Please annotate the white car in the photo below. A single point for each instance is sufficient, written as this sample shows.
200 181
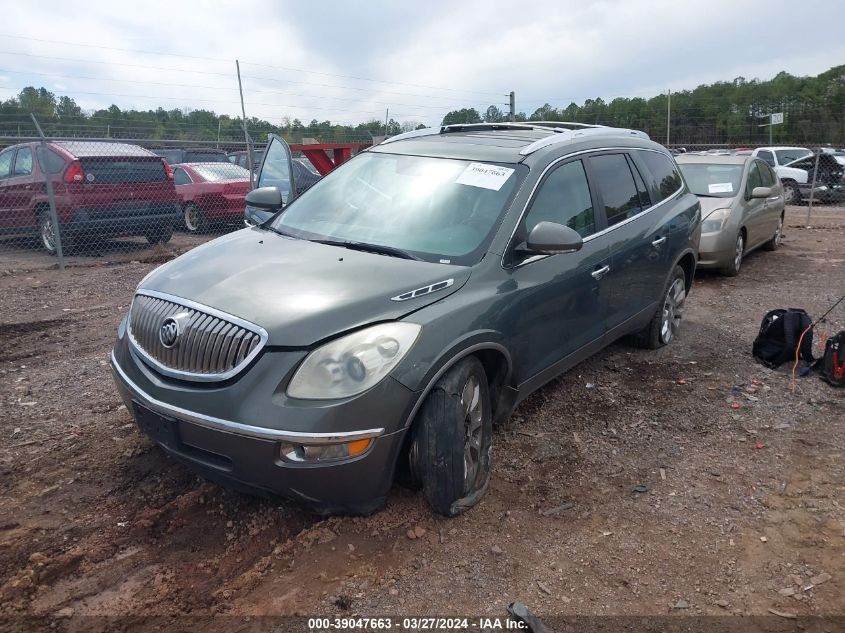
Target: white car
791 177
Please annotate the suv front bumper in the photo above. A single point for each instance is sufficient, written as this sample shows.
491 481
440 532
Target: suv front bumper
243 451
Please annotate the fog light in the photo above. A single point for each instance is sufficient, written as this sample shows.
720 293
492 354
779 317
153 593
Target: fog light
303 453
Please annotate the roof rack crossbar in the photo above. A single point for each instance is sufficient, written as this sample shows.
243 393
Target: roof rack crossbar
465 127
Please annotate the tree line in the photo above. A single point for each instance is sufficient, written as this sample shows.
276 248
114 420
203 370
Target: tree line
725 112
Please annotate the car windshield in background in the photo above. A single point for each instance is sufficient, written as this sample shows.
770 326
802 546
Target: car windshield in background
436 209
788 155
205 157
222 171
712 180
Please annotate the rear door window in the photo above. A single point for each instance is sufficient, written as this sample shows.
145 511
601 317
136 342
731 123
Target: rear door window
766 156
23 162
665 173
614 180
6 163
645 198
564 198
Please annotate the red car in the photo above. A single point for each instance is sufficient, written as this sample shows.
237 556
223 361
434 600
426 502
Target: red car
102 189
211 193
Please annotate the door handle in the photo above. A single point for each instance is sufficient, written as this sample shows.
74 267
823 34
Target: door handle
600 272
659 241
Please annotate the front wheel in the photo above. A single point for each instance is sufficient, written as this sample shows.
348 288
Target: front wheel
791 193
666 322
452 439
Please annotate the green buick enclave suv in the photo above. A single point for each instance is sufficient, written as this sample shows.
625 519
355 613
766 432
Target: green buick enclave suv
402 305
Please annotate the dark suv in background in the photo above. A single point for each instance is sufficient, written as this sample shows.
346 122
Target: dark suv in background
177 155
397 308
102 190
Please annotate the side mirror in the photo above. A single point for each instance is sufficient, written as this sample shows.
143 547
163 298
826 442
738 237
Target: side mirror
266 198
550 238
761 192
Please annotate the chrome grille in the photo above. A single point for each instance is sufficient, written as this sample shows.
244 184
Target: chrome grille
210 345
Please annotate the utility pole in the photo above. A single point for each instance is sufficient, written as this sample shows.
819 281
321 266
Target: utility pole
386 114
219 121
246 134
668 114
513 106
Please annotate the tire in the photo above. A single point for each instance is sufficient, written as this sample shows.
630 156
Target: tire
666 321
774 243
159 235
47 235
192 218
452 439
791 193
732 269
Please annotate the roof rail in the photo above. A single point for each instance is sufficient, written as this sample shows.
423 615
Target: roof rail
464 127
566 125
562 136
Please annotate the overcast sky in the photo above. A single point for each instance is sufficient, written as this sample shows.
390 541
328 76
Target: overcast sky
349 62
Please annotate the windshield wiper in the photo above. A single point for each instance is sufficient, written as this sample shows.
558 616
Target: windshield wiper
370 248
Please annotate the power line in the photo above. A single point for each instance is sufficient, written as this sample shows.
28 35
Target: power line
218 59
219 74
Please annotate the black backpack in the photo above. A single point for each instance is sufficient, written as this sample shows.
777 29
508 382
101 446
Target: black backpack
832 364
778 338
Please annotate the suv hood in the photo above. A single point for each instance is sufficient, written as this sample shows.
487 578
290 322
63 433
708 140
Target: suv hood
300 292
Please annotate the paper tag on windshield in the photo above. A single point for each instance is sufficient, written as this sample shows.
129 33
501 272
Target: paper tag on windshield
484 175
720 187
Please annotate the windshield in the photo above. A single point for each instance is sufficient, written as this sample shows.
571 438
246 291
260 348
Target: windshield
438 210
788 155
713 180
222 171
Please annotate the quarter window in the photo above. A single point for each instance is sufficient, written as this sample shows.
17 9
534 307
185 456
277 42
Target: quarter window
180 177
614 179
665 173
564 198
23 162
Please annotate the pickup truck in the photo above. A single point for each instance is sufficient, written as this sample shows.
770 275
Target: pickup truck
778 159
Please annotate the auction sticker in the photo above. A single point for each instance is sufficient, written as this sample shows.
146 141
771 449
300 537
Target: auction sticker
720 187
484 175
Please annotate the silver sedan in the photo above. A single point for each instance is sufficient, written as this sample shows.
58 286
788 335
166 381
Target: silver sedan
742 207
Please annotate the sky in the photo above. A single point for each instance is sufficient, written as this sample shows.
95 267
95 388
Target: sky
350 62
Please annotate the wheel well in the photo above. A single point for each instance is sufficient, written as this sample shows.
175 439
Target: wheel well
687 262
41 206
497 369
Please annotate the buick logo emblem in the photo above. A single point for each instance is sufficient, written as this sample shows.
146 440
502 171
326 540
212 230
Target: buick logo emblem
170 330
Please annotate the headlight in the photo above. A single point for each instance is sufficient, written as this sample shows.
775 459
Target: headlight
714 222
354 363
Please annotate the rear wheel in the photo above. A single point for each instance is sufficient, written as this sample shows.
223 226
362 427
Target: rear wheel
452 439
193 217
159 235
774 243
666 322
732 269
48 236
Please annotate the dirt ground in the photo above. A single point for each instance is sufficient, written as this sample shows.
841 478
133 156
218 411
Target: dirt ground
687 481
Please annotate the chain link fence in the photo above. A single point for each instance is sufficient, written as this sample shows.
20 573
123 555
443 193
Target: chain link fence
79 197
